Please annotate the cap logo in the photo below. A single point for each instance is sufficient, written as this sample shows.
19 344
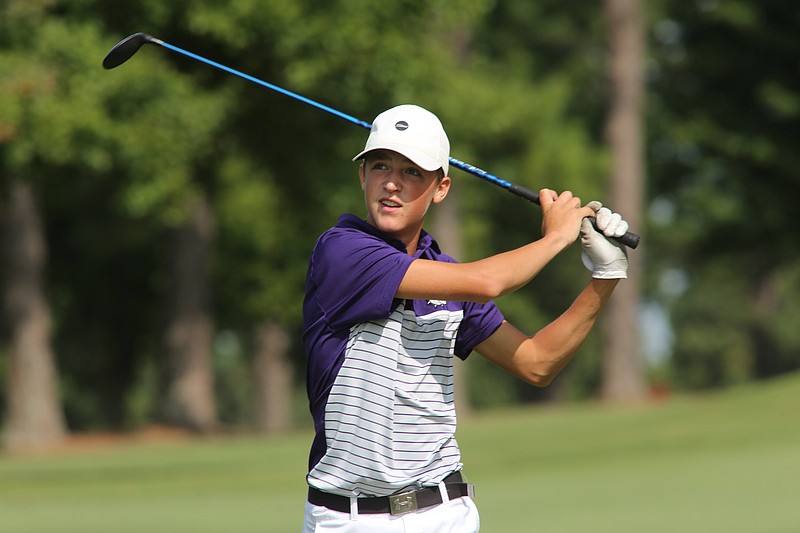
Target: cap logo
401 126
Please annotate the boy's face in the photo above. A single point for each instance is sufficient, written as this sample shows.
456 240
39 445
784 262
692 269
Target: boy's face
398 193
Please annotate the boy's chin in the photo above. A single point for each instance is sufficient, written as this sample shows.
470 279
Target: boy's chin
391 227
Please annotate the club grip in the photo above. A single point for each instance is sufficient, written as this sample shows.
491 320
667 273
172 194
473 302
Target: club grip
629 239
522 192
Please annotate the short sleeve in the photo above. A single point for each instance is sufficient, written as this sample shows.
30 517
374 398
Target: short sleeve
479 323
354 277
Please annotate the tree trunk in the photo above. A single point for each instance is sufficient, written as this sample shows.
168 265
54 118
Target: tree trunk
34 418
273 376
447 230
189 400
623 378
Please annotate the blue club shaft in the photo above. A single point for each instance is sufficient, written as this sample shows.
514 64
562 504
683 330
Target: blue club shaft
466 167
263 83
629 239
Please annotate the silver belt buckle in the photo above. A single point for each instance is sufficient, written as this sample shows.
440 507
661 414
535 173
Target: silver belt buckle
403 503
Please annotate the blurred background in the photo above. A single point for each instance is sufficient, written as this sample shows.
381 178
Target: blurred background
157 218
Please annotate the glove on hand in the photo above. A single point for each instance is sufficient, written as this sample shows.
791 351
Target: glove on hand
606 259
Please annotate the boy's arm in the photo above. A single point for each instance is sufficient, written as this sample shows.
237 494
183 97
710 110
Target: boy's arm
479 281
484 280
538 359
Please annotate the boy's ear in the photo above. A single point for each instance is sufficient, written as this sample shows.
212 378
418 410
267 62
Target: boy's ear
441 190
361 175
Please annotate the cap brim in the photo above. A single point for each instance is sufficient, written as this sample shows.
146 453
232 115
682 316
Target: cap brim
418 157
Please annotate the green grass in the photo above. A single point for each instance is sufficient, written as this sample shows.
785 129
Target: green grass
728 462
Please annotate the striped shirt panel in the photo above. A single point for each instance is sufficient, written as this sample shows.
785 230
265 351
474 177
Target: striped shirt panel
390 418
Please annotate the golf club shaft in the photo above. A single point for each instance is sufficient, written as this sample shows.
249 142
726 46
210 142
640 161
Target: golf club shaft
126 48
268 85
521 191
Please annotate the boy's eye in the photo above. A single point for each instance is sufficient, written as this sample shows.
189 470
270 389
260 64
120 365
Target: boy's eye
413 172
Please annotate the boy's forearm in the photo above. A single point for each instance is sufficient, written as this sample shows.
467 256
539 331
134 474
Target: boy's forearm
560 340
515 268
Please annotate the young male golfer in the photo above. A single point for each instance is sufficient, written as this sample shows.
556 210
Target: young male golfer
385 312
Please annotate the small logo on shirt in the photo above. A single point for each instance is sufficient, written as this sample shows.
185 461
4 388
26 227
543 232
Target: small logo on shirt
437 303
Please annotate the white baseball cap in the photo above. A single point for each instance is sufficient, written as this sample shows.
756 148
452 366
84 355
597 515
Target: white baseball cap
413 132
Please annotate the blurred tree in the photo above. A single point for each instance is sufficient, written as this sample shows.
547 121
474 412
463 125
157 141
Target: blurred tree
110 176
544 130
258 278
189 390
274 198
274 377
117 161
623 375
34 418
725 111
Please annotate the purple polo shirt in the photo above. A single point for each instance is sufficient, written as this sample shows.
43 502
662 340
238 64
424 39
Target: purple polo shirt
352 278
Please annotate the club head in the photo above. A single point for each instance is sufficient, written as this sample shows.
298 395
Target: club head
125 49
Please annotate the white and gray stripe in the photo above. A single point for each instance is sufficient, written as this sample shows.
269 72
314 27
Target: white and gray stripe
390 418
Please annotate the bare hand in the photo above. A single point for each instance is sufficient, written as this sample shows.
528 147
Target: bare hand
562 215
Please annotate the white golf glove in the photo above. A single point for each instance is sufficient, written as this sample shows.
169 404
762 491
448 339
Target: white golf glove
606 259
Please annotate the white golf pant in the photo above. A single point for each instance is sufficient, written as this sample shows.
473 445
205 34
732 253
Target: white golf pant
455 516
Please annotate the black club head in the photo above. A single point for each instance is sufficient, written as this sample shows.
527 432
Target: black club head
125 49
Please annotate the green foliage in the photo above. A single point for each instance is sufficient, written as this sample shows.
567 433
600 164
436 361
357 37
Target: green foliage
130 148
713 346
723 159
68 114
233 379
114 157
736 335
253 247
489 386
783 311
117 156
3 377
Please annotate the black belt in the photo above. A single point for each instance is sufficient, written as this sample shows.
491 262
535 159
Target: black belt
396 503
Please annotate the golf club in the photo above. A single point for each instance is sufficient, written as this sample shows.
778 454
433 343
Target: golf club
126 48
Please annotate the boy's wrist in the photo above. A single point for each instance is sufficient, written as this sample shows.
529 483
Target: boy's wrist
558 241
603 287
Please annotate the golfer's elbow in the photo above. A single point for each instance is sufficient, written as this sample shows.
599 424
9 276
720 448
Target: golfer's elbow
540 380
541 374
488 289
487 284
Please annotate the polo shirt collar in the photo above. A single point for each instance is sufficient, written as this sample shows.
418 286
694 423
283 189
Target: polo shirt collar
426 240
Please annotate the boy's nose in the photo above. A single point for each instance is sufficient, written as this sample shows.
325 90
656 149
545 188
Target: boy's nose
392 183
